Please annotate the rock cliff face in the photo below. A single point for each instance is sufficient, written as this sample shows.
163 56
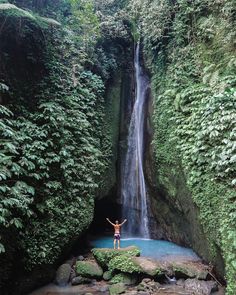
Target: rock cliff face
119 98
42 72
174 215
173 208
190 117
192 173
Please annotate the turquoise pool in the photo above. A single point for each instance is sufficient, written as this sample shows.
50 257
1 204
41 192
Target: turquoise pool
158 249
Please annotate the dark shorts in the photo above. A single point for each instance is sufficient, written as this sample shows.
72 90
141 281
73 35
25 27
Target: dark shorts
117 237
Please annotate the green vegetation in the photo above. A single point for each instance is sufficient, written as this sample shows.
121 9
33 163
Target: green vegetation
103 256
118 288
124 263
55 145
126 279
190 47
107 275
88 269
61 69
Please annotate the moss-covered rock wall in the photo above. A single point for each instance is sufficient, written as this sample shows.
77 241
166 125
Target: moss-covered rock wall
190 48
59 133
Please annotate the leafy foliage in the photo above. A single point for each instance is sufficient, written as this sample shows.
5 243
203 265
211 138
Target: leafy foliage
124 263
55 140
190 47
103 256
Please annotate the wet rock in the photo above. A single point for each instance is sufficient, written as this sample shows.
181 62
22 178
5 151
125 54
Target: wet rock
191 269
72 273
149 286
125 264
104 255
149 266
174 266
127 279
117 289
63 274
180 282
80 280
69 261
103 289
80 258
197 287
89 269
168 289
146 280
107 275
131 292
94 282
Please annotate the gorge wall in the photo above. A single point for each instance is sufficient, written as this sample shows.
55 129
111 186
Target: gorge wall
59 128
190 50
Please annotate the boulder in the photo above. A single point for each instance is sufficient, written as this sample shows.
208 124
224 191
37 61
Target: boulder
94 282
88 269
104 255
180 282
199 287
80 280
63 274
150 267
149 286
177 267
80 258
103 288
117 289
127 279
72 273
124 263
191 269
107 275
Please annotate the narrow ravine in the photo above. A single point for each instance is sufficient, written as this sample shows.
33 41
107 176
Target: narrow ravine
134 192
122 111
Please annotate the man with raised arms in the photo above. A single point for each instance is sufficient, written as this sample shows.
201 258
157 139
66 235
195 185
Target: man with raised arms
117 227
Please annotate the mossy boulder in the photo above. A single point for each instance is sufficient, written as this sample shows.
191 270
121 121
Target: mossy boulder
191 269
117 289
80 280
63 274
180 267
104 255
148 286
151 267
107 275
124 263
127 279
89 269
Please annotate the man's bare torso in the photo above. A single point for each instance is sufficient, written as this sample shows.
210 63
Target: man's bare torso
117 228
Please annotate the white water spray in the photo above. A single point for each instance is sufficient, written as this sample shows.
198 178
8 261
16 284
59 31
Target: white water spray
134 194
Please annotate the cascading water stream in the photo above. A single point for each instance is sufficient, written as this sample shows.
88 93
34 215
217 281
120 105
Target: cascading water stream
134 194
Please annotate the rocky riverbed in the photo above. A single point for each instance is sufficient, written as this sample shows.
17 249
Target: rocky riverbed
107 271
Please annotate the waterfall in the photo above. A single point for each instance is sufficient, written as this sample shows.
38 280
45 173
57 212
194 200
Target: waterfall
133 190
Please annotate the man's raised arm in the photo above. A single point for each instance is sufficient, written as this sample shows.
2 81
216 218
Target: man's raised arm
110 221
123 222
